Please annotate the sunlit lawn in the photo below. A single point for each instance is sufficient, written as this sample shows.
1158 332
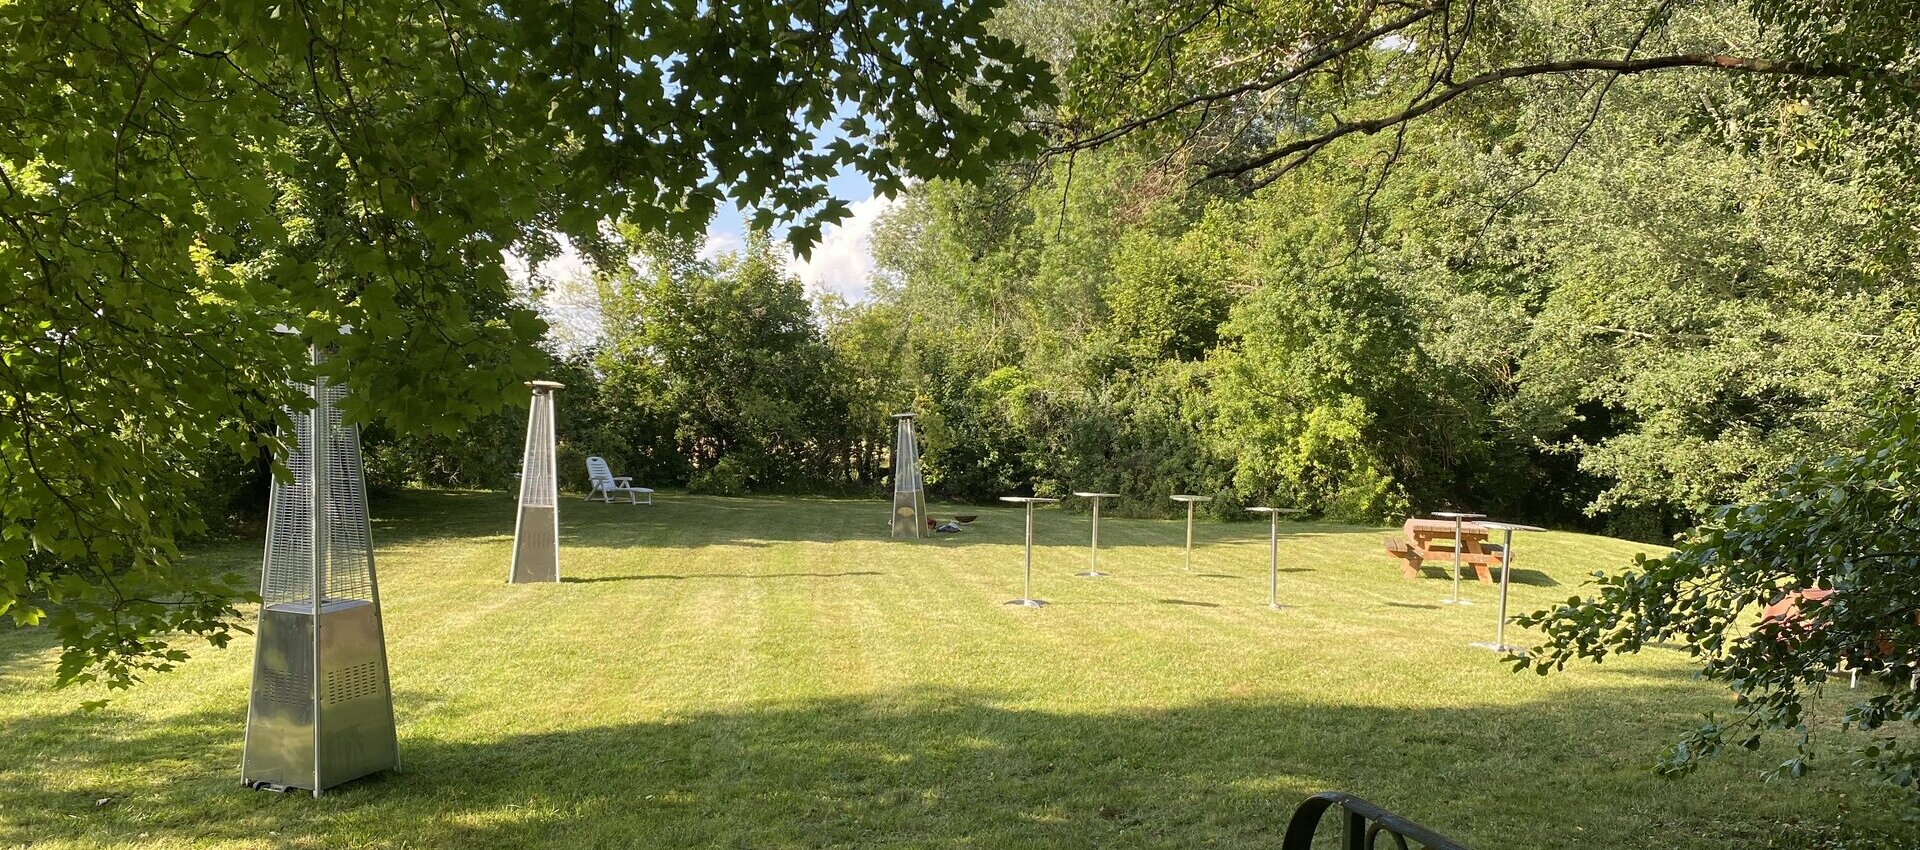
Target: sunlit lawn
774 673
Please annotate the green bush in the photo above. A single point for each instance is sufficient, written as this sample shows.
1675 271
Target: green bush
726 478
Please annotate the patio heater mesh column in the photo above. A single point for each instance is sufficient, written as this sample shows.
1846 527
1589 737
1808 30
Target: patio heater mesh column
536 536
321 710
909 497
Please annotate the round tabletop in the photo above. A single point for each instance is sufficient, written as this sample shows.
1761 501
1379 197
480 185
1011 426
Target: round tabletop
1096 495
1458 515
1267 510
1027 499
1510 526
1185 498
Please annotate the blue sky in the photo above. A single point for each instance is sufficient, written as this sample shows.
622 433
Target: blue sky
844 257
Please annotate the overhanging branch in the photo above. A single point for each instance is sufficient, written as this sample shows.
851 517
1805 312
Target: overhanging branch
1295 153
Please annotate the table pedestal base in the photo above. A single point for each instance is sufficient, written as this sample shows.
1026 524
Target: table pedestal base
1501 647
1275 606
1456 602
1092 574
1027 603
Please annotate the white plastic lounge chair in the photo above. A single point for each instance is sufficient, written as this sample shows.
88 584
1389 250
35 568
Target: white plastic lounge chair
605 484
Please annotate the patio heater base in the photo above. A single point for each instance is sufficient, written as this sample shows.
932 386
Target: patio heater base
351 727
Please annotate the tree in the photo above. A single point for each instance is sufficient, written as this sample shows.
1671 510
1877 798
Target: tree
726 354
1849 525
1254 91
180 177
1614 317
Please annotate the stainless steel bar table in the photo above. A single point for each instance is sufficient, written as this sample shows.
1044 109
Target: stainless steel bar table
1093 550
1191 501
1506 573
1273 553
1458 518
1026 584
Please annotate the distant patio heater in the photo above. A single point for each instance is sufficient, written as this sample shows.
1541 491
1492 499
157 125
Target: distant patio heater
321 710
536 535
909 497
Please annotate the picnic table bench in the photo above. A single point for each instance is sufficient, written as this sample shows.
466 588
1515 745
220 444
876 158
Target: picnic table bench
1432 540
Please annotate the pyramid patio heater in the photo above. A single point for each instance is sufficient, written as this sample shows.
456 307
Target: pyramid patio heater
909 497
536 536
321 710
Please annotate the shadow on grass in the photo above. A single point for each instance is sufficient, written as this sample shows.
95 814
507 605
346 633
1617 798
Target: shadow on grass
670 577
926 767
1533 578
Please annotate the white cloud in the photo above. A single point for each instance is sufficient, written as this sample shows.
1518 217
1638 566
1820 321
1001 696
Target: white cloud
562 289
720 243
843 260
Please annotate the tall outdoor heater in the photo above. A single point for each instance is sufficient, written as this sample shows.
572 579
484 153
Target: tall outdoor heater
536 535
909 497
321 710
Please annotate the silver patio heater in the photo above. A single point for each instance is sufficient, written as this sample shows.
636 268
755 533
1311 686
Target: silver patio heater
909 497
536 535
321 712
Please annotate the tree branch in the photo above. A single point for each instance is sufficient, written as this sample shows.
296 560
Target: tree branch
1310 64
1297 152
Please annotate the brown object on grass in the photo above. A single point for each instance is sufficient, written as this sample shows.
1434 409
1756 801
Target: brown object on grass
1432 540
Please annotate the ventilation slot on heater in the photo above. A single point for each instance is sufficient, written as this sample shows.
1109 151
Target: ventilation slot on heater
360 680
289 688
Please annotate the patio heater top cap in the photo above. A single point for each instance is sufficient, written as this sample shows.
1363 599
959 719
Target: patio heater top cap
903 416
546 385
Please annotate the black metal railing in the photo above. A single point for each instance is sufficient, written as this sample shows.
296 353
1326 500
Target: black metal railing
1363 824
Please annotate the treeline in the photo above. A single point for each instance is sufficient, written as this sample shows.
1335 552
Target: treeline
1612 314
1523 305
713 374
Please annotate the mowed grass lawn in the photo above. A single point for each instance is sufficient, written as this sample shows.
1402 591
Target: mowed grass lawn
775 673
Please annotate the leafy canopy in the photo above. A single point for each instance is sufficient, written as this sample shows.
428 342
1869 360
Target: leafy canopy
1849 525
179 177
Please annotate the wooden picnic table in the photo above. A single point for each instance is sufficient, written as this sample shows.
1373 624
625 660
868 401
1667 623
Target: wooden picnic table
1432 540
